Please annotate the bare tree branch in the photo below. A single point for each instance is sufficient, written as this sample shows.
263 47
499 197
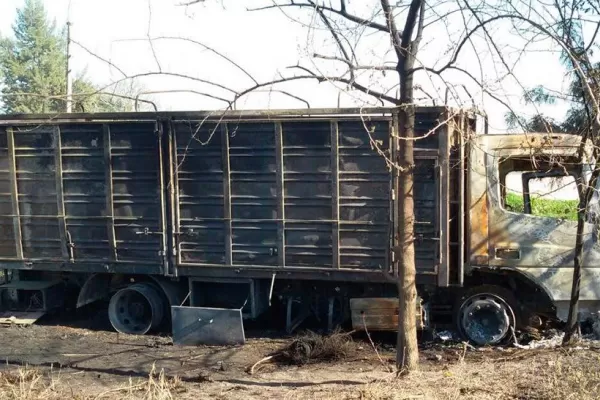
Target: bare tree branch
204 46
355 67
148 36
87 50
189 3
342 12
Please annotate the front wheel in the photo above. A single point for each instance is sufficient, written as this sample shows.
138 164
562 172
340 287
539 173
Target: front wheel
486 315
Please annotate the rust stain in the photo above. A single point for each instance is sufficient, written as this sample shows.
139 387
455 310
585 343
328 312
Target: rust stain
380 314
479 226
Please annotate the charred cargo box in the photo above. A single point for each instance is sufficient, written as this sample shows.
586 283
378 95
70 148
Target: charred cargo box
191 194
218 208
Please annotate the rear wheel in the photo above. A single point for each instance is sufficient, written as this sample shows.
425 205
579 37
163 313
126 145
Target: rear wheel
136 309
487 315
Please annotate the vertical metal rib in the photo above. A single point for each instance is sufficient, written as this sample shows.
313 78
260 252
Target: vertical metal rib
443 224
461 197
60 198
14 193
226 194
108 193
280 195
335 194
175 184
169 161
162 199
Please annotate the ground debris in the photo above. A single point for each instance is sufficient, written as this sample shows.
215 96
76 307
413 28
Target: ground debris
312 347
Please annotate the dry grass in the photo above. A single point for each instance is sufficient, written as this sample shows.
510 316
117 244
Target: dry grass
30 384
510 375
552 377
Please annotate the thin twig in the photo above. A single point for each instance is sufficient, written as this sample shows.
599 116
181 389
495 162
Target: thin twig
385 365
259 362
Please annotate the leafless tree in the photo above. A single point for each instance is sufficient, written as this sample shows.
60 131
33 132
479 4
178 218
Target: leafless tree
389 75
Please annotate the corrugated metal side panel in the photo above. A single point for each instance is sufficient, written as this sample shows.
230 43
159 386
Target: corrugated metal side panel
36 170
308 192
329 205
426 190
110 176
84 184
137 191
253 167
199 174
364 188
63 181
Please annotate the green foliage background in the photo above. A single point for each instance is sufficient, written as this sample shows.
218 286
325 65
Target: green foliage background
33 69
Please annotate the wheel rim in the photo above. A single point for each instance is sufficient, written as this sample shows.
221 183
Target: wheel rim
485 319
136 309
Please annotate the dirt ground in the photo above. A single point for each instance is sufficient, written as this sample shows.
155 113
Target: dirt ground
60 359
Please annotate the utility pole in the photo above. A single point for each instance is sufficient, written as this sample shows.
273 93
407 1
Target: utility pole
69 77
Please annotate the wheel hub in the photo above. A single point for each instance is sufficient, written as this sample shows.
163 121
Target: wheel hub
485 319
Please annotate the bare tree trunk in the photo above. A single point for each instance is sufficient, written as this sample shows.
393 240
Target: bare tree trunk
572 321
407 351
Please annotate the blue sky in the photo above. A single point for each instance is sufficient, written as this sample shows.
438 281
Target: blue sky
266 44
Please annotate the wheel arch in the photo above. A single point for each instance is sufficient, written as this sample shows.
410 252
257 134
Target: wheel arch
532 296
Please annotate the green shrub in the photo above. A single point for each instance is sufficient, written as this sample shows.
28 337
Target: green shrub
564 209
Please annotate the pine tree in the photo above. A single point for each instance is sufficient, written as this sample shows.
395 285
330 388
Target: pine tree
33 68
33 64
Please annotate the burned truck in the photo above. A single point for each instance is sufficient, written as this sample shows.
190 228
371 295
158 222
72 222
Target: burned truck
202 220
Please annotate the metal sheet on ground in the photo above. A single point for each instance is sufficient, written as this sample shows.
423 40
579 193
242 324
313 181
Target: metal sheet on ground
20 317
194 326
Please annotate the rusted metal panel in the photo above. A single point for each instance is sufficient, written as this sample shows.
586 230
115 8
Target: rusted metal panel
478 204
380 314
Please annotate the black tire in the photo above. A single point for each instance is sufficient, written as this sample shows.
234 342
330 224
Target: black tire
137 309
499 315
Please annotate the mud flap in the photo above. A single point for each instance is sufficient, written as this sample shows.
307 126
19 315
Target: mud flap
194 326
